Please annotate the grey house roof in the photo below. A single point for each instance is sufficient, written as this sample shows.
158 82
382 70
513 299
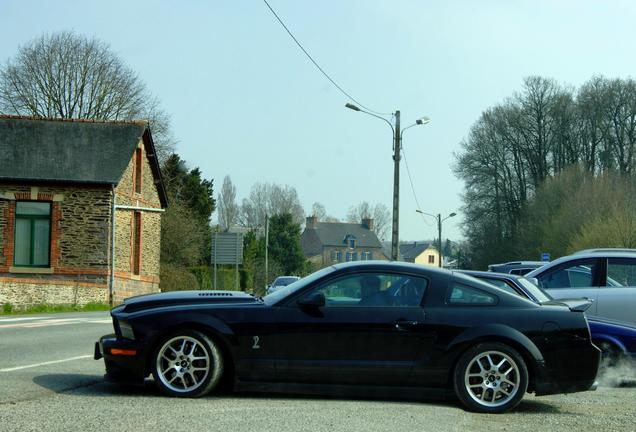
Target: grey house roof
72 151
410 251
334 234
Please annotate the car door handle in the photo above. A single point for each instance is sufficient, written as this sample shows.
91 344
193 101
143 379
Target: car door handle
406 324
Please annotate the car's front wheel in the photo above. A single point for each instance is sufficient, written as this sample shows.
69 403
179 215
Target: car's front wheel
187 364
491 378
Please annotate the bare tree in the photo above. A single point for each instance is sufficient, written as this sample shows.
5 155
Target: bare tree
381 220
66 75
358 212
227 205
268 199
380 214
318 210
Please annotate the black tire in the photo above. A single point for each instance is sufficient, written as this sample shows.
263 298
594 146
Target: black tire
490 377
187 363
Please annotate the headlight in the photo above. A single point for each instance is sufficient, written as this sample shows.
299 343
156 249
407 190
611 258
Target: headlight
126 330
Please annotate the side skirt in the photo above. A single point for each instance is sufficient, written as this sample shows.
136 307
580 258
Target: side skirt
346 391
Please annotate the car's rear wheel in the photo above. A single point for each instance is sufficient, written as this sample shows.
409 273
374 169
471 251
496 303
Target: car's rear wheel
187 364
491 377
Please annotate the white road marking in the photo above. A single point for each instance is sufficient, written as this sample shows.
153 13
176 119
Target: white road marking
2 320
44 363
47 322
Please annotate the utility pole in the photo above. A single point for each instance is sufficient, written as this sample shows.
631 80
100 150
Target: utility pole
395 231
397 147
266 250
439 236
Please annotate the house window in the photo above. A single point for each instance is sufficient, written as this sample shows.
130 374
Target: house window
32 238
349 256
431 259
366 256
350 241
138 165
336 256
136 250
354 256
339 256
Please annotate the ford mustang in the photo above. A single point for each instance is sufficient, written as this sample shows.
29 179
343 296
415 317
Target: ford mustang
371 327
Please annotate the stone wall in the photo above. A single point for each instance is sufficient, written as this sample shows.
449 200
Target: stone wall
127 284
25 292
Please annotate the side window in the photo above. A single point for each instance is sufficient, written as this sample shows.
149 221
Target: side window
621 272
580 274
463 295
375 290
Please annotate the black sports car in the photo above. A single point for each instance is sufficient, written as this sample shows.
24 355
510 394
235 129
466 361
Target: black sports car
367 325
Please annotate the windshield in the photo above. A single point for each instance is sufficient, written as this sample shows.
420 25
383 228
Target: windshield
280 294
284 281
534 290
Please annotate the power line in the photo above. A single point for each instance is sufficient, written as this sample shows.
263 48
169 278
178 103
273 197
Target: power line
408 171
318 66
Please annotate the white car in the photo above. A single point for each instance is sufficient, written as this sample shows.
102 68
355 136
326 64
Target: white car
280 282
606 276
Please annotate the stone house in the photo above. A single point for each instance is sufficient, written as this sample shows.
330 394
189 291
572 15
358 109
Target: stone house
420 253
326 243
80 211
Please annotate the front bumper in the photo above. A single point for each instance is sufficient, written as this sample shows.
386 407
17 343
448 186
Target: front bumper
125 359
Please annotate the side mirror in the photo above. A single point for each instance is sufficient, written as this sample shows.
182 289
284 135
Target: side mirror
313 300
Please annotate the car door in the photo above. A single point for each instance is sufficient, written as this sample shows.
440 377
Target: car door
579 278
617 296
365 334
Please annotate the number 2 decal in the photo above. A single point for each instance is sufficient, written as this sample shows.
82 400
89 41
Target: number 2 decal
256 345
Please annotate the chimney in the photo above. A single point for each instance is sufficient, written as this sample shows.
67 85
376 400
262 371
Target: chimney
310 222
367 223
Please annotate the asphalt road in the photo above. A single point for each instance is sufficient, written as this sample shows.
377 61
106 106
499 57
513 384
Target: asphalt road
49 382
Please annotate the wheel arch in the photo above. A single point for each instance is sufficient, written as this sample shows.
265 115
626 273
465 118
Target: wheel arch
501 334
222 339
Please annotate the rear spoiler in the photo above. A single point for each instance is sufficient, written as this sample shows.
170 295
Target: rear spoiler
575 305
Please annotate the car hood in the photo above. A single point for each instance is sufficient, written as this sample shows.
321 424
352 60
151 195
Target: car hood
174 298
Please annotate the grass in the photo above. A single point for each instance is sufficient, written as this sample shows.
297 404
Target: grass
9 309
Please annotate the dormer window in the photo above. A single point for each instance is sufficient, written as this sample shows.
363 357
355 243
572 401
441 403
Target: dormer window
350 241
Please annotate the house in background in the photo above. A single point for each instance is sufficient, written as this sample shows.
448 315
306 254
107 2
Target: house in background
326 243
64 186
420 253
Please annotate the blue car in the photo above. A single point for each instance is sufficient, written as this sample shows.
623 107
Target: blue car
616 339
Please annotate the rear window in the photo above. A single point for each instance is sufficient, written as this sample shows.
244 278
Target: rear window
464 295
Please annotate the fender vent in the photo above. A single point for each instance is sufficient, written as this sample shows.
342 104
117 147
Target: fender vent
215 294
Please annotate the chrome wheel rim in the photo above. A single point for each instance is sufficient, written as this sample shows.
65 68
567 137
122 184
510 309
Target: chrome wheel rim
492 378
183 364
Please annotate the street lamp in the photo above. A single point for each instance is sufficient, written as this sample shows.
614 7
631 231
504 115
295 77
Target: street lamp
439 219
397 145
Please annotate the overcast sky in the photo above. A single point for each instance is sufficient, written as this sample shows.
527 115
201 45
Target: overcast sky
245 101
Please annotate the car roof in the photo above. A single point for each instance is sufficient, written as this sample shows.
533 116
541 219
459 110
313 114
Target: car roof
592 253
605 250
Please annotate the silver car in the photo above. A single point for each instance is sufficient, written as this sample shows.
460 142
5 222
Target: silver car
604 275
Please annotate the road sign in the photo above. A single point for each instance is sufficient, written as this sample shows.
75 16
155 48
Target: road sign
545 256
227 248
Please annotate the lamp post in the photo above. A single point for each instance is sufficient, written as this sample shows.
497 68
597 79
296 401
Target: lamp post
439 219
397 145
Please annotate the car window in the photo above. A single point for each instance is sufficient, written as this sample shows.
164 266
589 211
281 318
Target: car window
463 295
621 272
374 290
577 275
501 284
